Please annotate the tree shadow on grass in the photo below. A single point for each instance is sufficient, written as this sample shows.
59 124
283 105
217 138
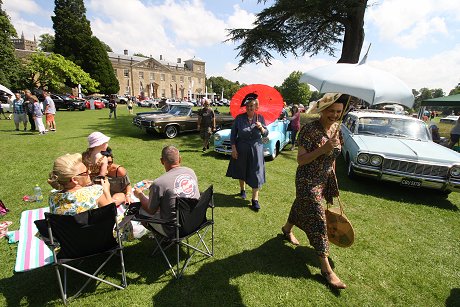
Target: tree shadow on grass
391 191
39 287
212 284
454 298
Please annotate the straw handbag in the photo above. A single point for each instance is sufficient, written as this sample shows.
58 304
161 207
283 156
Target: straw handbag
339 229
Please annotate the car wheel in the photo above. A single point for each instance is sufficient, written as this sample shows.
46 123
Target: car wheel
275 152
350 172
171 131
71 108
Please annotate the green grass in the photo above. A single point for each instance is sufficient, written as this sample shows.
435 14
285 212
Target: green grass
406 251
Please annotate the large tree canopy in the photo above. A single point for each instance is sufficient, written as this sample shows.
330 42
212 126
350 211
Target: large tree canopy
46 42
74 40
219 84
54 72
9 64
303 26
293 91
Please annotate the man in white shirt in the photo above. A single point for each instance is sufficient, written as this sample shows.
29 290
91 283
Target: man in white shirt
50 111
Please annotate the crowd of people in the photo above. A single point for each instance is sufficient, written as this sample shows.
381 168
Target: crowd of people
30 110
92 179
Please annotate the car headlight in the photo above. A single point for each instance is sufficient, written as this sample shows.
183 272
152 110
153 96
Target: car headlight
363 158
376 160
265 140
217 137
455 171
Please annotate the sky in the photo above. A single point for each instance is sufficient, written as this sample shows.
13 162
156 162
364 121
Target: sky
415 40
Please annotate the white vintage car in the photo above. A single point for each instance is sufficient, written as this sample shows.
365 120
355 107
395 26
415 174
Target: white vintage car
398 148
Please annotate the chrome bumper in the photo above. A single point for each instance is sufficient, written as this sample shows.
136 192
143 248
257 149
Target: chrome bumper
427 182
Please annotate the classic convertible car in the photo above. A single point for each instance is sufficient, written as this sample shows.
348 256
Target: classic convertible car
278 137
179 118
398 148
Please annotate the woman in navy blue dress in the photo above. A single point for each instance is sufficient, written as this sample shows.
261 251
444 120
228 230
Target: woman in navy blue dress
247 162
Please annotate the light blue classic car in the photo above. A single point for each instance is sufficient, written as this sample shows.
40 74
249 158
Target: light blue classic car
398 148
278 137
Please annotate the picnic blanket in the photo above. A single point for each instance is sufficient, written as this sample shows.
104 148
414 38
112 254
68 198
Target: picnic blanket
32 252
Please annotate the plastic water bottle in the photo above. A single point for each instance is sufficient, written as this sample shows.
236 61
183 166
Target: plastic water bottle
38 193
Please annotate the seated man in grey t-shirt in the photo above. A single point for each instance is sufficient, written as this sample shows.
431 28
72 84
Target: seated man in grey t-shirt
177 181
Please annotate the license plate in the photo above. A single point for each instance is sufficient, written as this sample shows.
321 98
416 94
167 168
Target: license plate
413 183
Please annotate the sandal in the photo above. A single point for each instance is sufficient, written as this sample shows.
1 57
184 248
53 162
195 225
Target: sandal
289 236
336 285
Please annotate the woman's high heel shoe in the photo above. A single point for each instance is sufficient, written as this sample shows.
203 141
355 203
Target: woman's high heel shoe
336 285
288 235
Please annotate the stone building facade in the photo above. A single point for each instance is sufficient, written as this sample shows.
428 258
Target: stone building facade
158 77
24 44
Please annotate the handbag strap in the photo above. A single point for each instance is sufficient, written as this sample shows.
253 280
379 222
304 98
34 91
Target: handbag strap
328 205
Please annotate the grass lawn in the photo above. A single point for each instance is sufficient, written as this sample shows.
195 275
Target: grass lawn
406 251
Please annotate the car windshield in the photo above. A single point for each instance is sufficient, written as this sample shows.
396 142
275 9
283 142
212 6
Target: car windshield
393 127
179 111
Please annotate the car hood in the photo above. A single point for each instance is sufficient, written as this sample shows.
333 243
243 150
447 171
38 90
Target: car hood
407 149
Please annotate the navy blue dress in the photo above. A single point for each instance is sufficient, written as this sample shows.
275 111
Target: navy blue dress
250 165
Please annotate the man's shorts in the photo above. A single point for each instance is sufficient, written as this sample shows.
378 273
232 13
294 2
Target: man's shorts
454 138
49 117
20 118
205 133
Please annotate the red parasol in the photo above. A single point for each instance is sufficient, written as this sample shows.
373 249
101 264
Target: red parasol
270 101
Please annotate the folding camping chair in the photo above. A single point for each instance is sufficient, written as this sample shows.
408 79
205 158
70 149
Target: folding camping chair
191 220
82 236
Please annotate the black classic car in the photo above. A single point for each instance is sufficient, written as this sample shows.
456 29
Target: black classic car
67 103
179 118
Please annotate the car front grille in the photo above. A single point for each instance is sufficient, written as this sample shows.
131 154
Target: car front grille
137 121
145 123
419 169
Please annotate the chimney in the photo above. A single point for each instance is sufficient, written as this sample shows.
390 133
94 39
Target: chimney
161 57
179 60
125 52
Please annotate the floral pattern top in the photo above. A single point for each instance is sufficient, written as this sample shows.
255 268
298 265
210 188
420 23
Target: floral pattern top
319 174
71 203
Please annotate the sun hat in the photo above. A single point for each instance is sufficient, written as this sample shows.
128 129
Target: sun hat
321 104
97 138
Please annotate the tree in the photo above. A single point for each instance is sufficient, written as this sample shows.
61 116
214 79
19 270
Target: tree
107 47
293 91
74 40
140 54
425 93
46 42
455 91
220 83
9 64
303 26
54 72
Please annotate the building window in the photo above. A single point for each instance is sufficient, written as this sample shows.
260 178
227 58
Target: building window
173 78
163 92
152 76
162 77
198 68
141 75
126 73
189 79
199 80
181 79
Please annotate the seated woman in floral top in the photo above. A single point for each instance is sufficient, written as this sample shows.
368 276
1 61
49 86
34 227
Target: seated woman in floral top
73 194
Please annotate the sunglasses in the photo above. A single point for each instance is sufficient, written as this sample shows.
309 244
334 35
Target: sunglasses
85 173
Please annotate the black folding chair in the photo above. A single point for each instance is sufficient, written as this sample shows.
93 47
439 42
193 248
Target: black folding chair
82 236
191 220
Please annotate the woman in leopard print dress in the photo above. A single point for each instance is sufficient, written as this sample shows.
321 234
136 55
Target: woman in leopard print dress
319 145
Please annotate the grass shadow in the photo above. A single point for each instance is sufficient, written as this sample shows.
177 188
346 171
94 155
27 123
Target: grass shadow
232 200
214 280
454 298
391 191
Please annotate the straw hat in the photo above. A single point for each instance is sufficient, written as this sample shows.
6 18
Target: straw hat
97 138
321 104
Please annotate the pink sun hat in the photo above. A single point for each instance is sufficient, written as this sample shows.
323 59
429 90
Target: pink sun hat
97 138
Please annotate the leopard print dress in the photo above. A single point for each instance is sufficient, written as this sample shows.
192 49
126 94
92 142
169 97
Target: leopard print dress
315 182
